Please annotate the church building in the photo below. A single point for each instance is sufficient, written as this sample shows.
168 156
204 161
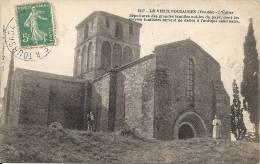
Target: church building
173 93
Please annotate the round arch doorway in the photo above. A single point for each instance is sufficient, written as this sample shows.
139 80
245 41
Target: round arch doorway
186 130
189 125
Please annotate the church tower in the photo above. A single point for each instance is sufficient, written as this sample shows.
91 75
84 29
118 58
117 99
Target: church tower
105 41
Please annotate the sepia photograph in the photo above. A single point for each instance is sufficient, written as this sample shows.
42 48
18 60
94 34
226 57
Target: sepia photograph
129 82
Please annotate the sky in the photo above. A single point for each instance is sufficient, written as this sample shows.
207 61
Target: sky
224 42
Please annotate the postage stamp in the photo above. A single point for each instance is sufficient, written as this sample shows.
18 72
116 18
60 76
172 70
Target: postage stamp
31 36
35 25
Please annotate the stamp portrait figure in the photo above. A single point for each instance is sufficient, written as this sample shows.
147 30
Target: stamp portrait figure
32 22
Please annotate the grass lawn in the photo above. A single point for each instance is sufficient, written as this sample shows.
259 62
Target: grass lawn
38 144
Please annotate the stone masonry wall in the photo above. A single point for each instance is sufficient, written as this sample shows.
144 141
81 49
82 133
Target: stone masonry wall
162 100
100 101
109 31
222 107
174 59
13 112
45 98
92 24
134 100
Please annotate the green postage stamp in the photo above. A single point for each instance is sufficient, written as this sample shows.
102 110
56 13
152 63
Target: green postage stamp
35 25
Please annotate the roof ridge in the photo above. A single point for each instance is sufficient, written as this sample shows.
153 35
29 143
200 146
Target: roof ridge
181 42
37 73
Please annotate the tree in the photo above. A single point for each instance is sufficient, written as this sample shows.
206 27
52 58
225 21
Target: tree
237 123
249 84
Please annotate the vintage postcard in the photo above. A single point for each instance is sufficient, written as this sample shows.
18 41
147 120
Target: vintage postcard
156 82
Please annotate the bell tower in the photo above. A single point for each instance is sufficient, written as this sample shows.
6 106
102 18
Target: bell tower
105 41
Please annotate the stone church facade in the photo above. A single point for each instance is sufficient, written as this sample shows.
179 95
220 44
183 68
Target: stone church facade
172 93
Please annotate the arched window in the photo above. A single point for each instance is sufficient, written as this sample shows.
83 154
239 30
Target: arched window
119 30
79 64
130 28
106 56
84 59
107 22
92 23
127 55
85 32
117 55
191 80
90 57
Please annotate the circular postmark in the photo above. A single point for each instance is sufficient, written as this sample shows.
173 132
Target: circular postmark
27 53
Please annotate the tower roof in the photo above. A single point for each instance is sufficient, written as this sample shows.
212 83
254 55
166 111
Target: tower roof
95 13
